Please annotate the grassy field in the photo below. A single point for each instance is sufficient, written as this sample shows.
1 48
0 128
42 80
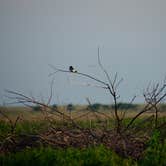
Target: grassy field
78 113
34 122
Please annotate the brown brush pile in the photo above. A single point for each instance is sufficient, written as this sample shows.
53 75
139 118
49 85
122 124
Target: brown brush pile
123 144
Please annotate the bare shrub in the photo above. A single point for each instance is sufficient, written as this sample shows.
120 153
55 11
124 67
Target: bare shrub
126 139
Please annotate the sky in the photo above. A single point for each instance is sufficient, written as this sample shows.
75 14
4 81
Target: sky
131 35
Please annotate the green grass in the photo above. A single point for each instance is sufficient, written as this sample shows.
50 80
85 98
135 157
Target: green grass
24 127
155 155
70 157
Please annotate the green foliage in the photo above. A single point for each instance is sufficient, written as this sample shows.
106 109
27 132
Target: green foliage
70 107
125 106
24 127
37 108
70 157
105 106
122 106
162 107
96 106
54 107
31 127
155 154
4 128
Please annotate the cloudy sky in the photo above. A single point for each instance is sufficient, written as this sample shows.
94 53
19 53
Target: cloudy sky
131 35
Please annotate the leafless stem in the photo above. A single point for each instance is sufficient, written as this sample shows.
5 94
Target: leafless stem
110 85
153 96
24 99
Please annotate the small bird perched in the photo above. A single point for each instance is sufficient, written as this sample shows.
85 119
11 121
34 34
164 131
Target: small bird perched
71 69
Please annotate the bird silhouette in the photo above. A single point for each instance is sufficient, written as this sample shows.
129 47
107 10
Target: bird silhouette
71 69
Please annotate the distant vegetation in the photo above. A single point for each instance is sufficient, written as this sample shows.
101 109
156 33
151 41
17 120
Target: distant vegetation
126 106
37 108
99 106
122 106
162 107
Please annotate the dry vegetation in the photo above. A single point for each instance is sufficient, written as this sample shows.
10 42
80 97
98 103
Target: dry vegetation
79 113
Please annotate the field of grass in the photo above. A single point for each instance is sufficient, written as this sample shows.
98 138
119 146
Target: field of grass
34 122
78 113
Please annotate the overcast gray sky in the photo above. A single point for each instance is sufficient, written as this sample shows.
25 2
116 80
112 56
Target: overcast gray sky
34 33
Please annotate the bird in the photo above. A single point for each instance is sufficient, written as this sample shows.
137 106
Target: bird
71 69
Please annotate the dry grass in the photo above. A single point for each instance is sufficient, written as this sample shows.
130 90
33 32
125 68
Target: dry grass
79 113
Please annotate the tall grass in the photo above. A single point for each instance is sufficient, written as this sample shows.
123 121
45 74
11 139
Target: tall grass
70 157
155 155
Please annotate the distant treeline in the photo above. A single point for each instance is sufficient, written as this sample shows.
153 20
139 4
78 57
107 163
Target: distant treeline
98 106
122 106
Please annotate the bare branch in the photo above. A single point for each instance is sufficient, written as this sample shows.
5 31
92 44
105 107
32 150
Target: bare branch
132 100
118 83
51 91
153 96
105 72
44 106
79 73
115 79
